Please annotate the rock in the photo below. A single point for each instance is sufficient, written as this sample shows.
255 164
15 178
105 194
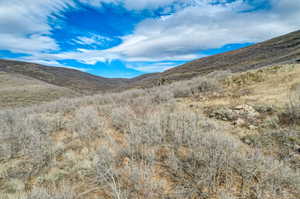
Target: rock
252 127
241 114
246 110
224 114
247 141
239 122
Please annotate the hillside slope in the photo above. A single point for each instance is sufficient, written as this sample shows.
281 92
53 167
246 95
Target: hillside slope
18 90
64 77
283 49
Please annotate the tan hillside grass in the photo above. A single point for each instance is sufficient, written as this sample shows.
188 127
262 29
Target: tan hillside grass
18 90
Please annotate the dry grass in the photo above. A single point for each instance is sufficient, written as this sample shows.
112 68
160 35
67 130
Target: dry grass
17 90
147 144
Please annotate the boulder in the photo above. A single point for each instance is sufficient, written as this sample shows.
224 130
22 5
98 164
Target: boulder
246 110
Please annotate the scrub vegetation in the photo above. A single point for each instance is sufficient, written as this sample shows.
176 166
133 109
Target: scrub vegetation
222 136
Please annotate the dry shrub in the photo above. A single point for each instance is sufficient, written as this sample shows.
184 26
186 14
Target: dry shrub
135 179
87 123
283 144
225 195
108 175
218 161
291 113
167 128
22 134
121 116
213 159
41 193
264 177
191 151
206 167
142 181
199 85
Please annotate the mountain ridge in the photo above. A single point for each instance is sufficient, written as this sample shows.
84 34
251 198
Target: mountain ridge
279 50
74 79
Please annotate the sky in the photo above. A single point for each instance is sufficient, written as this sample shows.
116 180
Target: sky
127 38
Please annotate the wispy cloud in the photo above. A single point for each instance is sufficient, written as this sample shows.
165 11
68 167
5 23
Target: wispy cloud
152 67
91 40
54 64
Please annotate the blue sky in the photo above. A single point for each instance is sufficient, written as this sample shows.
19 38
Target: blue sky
126 38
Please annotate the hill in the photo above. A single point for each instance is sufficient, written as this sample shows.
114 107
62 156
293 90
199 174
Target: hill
283 49
64 77
18 90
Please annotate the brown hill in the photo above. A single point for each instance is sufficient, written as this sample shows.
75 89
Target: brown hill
64 77
17 90
283 49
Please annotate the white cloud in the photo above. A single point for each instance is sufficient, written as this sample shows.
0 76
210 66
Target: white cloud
207 26
147 4
91 39
53 63
26 44
44 62
98 3
24 24
25 28
152 67
134 4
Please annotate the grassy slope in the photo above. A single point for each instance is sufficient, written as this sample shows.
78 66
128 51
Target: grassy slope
63 77
155 146
17 90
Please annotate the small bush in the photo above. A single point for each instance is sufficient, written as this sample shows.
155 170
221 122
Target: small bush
142 181
121 116
283 144
87 123
40 193
25 136
291 113
199 85
107 173
207 166
264 177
